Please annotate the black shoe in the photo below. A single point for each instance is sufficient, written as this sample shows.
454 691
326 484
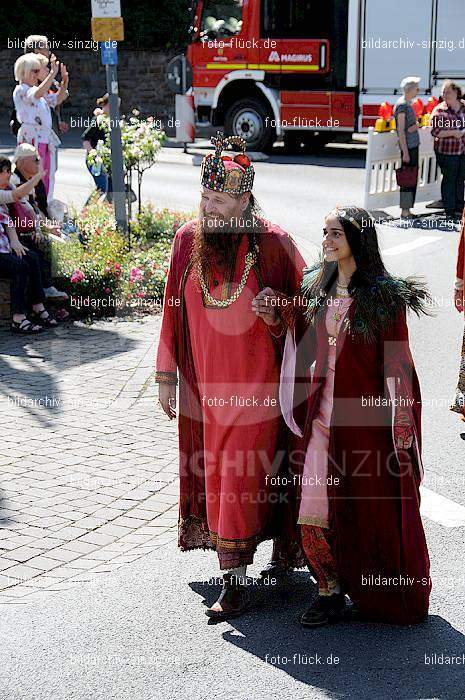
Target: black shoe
325 609
234 600
275 569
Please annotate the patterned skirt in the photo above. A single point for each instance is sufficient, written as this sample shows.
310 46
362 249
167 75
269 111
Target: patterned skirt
458 404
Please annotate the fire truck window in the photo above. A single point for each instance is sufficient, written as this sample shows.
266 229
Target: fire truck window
221 19
296 19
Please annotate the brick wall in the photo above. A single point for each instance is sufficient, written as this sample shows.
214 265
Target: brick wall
141 78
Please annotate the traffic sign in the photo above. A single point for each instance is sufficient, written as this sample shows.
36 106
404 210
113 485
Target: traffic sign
106 8
107 29
109 53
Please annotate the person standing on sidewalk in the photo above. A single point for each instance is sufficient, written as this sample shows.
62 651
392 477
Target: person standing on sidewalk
94 133
458 405
39 44
33 108
448 129
409 140
227 361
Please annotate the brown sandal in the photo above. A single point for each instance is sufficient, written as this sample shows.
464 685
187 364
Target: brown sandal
234 600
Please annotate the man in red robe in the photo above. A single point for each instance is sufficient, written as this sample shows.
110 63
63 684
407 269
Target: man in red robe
227 361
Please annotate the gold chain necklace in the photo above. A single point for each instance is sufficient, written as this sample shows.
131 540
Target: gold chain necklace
250 260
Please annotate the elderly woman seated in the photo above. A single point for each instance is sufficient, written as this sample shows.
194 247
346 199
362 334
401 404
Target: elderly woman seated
22 267
25 213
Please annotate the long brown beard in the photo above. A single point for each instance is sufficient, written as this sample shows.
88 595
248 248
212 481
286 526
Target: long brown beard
220 246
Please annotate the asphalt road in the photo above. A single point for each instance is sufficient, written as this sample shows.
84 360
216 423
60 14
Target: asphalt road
142 634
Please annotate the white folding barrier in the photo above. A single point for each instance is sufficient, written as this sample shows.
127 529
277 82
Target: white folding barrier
383 157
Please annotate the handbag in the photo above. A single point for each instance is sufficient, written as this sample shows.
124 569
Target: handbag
407 175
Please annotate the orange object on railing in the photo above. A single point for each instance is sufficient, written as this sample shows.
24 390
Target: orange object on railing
385 111
418 107
431 104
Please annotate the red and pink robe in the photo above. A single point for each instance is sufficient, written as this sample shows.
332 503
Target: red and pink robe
231 435
369 536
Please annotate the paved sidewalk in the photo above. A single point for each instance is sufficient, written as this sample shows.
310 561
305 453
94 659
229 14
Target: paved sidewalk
88 464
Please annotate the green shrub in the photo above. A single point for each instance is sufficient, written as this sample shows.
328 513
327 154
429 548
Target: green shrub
151 223
98 271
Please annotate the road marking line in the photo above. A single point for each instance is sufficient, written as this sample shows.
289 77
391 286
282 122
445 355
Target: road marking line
405 247
441 510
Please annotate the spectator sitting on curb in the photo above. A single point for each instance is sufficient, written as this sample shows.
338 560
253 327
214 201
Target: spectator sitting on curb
27 163
22 267
27 223
26 187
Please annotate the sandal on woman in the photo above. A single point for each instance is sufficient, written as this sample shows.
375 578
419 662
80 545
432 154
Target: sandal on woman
45 320
24 326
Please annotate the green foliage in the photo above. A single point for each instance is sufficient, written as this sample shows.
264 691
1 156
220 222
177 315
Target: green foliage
158 224
141 142
99 268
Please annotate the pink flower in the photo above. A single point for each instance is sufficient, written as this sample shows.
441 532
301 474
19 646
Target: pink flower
107 290
77 276
136 274
141 295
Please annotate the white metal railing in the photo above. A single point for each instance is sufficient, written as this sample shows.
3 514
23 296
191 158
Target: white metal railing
383 157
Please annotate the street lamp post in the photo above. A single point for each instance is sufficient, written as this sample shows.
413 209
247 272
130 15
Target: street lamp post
117 171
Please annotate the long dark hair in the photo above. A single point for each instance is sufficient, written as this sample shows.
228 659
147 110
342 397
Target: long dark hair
360 231
378 294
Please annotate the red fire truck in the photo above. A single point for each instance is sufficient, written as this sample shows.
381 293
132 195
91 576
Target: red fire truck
308 70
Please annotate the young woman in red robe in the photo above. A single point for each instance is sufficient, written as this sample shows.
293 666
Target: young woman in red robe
359 417
459 400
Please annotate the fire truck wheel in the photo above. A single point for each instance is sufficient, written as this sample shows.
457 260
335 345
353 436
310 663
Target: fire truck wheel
250 119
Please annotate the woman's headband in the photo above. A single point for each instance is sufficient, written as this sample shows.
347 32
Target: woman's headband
342 214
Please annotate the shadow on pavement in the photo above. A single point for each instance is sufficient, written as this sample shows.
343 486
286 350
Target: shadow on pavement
375 661
31 377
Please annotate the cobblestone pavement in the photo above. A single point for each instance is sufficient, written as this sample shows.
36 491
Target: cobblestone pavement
88 464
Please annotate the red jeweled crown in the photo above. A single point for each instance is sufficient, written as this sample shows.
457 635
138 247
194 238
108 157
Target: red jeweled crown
224 173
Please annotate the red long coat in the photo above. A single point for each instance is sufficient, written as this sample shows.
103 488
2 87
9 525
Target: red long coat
279 267
374 510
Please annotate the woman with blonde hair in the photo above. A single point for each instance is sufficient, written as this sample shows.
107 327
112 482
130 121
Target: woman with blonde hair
33 102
